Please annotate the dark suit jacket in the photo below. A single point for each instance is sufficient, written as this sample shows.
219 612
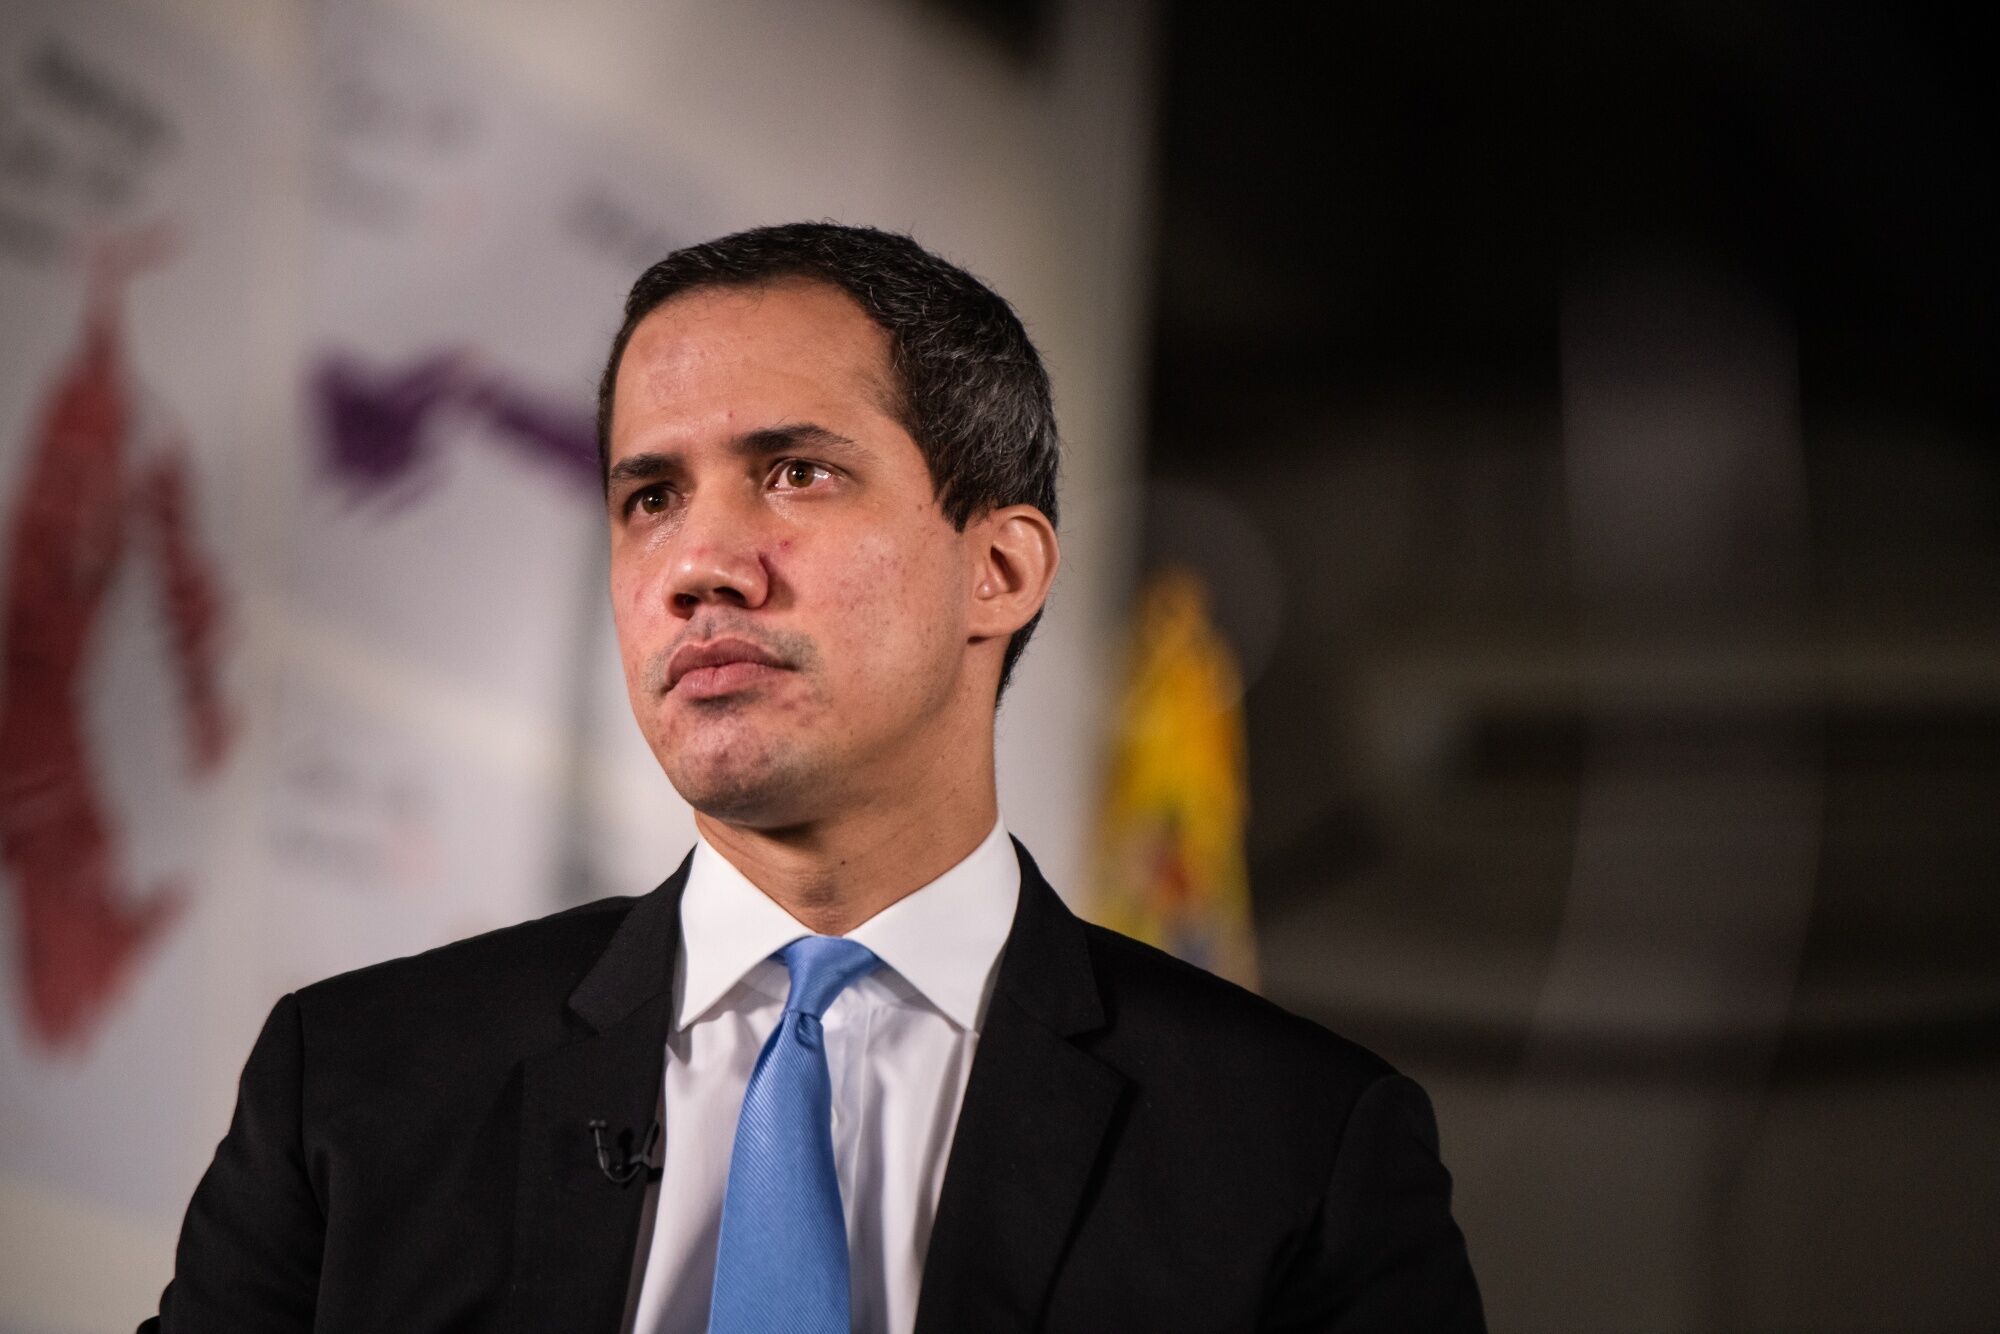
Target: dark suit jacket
1142 1147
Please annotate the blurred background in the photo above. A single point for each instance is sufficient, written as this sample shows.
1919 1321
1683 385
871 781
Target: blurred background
1532 563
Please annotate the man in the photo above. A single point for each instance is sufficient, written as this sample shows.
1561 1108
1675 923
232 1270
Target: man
900 1086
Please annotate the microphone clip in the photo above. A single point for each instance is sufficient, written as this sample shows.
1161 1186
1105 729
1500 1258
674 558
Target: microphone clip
630 1166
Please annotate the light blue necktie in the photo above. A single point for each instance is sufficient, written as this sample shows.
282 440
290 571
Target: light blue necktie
781 1260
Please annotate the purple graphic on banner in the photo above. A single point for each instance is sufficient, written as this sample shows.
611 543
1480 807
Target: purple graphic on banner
380 430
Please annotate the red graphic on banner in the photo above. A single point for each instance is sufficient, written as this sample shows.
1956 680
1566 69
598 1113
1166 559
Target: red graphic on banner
84 501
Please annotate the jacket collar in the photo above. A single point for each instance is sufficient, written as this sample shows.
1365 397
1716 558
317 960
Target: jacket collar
1046 968
1038 1108
575 1230
638 964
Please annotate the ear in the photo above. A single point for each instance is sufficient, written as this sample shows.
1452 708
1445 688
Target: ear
1014 555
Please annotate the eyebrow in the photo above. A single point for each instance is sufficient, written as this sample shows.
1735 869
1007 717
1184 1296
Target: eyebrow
759 443
792 435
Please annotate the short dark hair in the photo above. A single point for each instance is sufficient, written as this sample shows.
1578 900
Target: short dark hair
969 387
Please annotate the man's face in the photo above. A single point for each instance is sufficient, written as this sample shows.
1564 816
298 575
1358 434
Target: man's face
791 603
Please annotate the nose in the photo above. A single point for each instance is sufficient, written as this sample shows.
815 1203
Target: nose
717 559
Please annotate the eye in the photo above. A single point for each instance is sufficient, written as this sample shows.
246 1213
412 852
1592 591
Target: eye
652 499
798 474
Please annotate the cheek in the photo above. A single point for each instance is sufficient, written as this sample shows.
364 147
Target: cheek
892 600
624 605
635 616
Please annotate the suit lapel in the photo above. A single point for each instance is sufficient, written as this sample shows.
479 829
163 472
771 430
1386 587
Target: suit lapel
1030 1130
574 1231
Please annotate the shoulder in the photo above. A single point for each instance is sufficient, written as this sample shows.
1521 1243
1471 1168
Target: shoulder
1253 1100
516 977
1164 1012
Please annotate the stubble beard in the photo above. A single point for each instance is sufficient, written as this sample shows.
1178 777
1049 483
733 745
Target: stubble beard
751 760
734 758
742 773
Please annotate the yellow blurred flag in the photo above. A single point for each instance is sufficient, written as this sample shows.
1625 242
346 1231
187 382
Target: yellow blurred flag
1170 863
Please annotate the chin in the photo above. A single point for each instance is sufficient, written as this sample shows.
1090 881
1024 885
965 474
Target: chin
762 791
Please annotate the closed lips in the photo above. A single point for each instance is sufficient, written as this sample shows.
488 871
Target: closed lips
717 653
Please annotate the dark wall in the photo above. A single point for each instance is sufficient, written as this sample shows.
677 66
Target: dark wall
1584 417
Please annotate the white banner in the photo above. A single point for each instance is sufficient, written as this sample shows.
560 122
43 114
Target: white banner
305 655
470 256
128 207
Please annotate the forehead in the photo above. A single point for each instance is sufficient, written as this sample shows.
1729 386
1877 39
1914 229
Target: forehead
791 346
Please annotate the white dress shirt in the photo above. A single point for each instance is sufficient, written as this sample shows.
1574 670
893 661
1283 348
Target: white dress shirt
899 1045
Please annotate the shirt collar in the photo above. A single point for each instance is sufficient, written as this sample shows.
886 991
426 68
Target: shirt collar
944 939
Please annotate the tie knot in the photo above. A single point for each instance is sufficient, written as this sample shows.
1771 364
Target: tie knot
822 967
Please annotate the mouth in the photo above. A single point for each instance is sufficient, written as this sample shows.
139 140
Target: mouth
720 667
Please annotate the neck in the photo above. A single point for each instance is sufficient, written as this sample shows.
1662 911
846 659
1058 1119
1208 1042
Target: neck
835 873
